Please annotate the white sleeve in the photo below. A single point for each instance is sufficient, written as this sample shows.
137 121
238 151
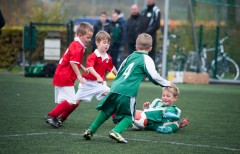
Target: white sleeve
152 72
155 102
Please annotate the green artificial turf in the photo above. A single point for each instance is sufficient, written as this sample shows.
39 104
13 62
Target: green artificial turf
214 112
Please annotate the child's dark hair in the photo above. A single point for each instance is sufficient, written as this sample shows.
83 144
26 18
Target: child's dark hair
104 12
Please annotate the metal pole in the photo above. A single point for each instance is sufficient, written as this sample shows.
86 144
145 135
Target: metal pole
199 47
30 44
23 61
193 26
165 40
194 35
23 52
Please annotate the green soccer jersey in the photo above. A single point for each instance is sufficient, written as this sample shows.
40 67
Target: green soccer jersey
131 73
159 114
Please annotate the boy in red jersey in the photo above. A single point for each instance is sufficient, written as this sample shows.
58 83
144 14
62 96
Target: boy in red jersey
97 63
67 72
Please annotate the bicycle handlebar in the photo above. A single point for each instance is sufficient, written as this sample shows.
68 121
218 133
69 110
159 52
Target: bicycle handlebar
223 39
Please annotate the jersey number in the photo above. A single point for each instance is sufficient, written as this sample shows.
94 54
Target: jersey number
128 70
62 57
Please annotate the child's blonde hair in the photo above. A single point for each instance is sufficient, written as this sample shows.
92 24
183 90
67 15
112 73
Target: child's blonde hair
144 41
83 27
102 35
173 89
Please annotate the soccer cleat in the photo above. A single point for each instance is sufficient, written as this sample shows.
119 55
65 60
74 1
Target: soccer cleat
116 136
87 134
52 121
60 121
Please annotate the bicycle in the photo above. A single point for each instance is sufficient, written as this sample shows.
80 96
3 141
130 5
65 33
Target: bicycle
226 68
178 59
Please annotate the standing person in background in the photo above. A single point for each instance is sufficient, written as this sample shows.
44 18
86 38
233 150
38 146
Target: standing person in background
116 35
102 24
123 22
150 23
2 21
132 28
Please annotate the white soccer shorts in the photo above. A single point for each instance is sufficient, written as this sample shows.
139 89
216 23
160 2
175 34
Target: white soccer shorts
65 93
91 88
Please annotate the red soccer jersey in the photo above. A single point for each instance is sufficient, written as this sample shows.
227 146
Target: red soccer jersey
101 65
64 74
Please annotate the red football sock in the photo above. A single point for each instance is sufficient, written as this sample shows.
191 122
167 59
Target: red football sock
113 115
60 108
65 114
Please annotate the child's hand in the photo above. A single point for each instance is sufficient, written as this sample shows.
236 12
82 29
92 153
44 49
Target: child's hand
99 79
184 122
146 105
81 81
85 69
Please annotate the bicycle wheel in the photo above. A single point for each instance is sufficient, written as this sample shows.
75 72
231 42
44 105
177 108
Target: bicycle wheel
179 61
158 61
227 68
171 66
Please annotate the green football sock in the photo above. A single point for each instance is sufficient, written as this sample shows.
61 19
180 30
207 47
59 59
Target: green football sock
124 124
101 118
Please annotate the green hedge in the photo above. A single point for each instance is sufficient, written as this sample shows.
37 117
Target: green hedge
11 49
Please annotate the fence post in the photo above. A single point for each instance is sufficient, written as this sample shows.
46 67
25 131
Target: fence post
216 53
199 47
70 33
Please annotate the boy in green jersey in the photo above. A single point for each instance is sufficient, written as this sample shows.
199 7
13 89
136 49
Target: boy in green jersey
162 115
122 97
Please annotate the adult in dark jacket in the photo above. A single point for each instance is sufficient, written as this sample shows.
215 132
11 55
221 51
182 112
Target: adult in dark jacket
116 37
123 22
132 28
150 23
102 24
2 21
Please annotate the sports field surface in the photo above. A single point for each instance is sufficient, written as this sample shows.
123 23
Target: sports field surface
214 112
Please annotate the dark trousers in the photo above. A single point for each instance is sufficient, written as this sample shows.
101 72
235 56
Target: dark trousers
114 52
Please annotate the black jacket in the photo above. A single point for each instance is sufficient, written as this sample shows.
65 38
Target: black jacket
97 27
150 20
133 28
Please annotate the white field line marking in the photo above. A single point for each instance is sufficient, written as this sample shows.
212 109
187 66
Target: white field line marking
140 140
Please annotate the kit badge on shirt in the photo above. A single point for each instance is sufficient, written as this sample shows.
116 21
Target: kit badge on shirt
107 60
149 14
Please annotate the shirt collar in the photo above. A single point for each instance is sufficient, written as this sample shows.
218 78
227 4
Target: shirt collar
78 40
98 55
142 51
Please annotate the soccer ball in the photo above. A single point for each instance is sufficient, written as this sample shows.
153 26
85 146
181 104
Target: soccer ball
140 121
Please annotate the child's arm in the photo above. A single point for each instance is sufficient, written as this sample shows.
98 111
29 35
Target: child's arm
77 72
114 70
152 73
146 105
94 73
84 69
